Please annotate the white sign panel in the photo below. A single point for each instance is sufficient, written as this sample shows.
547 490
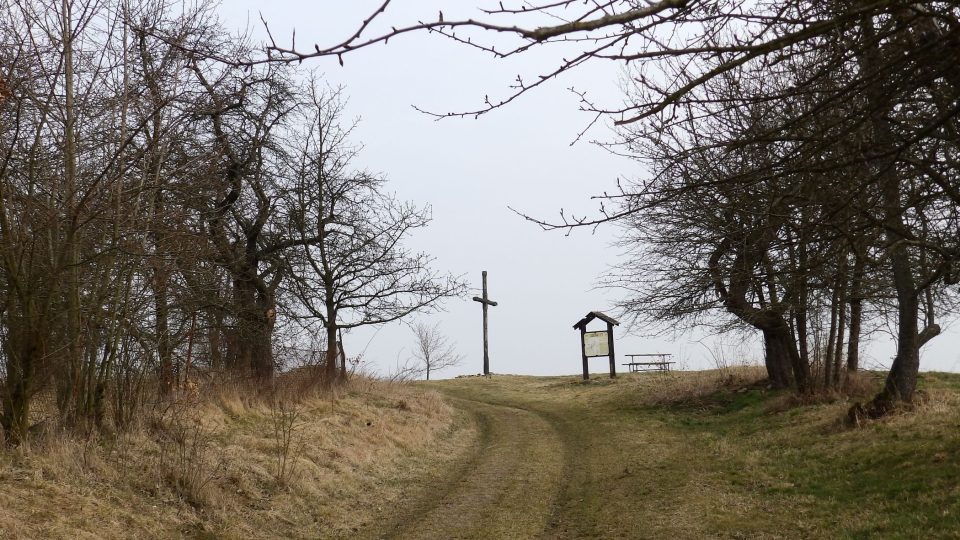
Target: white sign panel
596 344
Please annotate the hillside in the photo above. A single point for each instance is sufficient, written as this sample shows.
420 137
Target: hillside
211 468
681 455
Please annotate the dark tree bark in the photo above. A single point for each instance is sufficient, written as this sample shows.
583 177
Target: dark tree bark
826 360
901 381
780 352
782 360
803 300
841 325
331 373
256 314
856 315
22 348
167 378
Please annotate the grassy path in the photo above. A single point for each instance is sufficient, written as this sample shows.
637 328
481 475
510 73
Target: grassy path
507 488
688 456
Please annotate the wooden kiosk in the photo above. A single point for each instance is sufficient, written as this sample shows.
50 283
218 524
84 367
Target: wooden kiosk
593 344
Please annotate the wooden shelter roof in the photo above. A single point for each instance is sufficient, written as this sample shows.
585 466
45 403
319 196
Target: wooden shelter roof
582 323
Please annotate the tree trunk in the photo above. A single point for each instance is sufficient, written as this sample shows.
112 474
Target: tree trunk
70 374
342 355
783 362
213 340
330 364
166 376
826 359
21 348
841 324
803 294
800 322
260 343
902 379
856 314
777 358
254 333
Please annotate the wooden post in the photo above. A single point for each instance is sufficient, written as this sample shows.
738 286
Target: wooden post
486 343
486 302
613 358
583 351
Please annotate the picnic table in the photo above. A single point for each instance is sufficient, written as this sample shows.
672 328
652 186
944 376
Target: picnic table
649 362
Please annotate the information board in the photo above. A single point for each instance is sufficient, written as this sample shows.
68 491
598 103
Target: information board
596 343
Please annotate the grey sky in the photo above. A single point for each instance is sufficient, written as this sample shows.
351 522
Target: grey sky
470 171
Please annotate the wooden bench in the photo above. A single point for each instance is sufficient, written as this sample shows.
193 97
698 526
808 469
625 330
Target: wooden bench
660 362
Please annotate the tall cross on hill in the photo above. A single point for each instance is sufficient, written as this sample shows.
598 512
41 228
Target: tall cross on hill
486 302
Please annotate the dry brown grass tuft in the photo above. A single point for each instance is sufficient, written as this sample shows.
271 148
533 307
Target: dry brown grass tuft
677 388
793 400
229 462
938 402
862 384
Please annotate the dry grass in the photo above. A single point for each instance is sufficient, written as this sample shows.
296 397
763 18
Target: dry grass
655 455
717 454
233 466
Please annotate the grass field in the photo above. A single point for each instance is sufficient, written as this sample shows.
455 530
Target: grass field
693 455
675 456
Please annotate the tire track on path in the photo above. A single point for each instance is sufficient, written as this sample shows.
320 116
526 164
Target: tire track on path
508 490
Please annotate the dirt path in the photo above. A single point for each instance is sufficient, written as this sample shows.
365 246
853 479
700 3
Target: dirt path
691 455
507 489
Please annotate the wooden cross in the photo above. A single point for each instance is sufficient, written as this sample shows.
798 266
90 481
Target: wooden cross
486 302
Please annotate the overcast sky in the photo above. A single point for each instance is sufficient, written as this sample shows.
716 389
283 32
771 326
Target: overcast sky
470 171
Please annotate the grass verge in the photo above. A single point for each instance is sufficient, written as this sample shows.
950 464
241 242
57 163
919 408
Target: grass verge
229 467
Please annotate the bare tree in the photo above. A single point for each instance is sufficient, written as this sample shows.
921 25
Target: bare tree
67 198
894 138
350 266
244 111
152 212
432 349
